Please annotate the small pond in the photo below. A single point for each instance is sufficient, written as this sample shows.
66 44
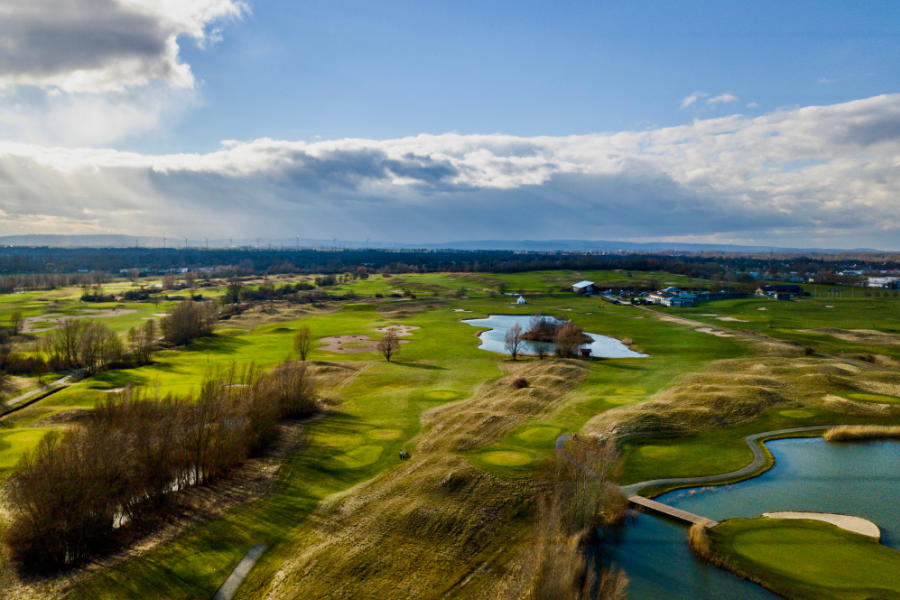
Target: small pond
859 479
494 339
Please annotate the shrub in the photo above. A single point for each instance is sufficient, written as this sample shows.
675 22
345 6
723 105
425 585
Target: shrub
188 321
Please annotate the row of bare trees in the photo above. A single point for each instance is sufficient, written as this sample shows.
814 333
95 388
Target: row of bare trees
78 490
81 343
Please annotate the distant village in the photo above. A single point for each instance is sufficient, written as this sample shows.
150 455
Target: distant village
676 297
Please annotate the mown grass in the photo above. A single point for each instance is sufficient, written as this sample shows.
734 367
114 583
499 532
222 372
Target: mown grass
808 559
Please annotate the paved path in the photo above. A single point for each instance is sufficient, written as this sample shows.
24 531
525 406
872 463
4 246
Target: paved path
240 571
28 398
759 459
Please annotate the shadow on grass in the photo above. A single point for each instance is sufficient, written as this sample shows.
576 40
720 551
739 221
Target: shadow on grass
115 379
217 344
420 366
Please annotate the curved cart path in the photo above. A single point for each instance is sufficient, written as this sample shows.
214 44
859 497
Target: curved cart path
759 458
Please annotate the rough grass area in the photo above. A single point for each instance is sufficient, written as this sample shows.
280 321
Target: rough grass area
847 433
434 526
803 559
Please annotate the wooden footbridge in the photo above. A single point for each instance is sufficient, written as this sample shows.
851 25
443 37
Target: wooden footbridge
670 511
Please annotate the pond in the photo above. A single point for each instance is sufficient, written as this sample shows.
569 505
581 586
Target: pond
494 339
859 479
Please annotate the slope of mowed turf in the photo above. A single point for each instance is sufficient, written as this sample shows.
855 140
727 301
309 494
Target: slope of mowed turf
809 559
16 442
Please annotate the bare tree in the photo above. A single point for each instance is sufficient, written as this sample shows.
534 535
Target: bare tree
303 342
514 340
15 322
567 340
389 345
189 320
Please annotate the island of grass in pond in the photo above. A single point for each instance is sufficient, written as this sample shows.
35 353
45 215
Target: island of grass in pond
808 559
494 339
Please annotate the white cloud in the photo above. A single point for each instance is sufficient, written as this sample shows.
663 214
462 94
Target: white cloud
99 46
723 99
96 71
700 97
829 173
692 99
752 105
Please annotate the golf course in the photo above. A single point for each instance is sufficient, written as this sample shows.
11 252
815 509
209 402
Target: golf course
342 516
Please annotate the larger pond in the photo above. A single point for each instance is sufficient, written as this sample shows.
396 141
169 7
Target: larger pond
494 339
859 479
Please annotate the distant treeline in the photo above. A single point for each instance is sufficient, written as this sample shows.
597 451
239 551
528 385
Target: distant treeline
82 490
20 260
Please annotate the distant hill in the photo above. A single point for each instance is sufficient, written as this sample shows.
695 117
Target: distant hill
130 241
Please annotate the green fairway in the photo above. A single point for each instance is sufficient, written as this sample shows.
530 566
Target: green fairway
809 559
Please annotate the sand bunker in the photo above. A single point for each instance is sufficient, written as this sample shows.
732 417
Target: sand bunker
461 310
351 344
848 522
714 332
732 319
400 330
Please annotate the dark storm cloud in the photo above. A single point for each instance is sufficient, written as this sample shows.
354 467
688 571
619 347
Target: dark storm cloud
49 38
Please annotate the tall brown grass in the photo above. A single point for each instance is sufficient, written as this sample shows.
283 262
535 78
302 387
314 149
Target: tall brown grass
846 433
577 498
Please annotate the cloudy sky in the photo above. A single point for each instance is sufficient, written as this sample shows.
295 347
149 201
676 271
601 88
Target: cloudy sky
772 123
